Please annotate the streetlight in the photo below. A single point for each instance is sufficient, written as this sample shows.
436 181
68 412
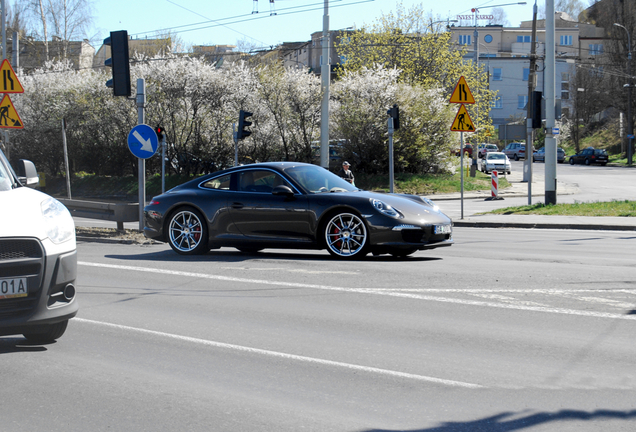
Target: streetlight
630 125
447 21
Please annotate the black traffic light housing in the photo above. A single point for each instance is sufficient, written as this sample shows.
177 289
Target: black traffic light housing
395 114
535 109
160 132
119 61
243 123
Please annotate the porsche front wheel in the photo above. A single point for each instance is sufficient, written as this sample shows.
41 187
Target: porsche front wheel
346 236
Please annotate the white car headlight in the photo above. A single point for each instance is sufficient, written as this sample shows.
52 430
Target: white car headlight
385 209
58 223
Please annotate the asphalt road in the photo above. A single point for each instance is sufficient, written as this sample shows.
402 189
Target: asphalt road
506 330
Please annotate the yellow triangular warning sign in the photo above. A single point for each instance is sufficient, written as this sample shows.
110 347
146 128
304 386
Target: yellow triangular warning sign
462 122
462 93
9 82
9 118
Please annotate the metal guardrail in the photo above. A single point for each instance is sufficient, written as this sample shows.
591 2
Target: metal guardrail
118 212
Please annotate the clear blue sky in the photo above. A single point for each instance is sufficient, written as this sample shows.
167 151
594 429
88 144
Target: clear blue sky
227 21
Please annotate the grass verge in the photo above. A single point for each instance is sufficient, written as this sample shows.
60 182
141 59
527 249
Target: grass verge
624 208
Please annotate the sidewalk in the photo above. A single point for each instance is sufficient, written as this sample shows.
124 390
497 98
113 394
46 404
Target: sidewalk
519 189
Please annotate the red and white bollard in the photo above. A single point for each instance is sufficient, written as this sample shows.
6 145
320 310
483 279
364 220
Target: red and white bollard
494 184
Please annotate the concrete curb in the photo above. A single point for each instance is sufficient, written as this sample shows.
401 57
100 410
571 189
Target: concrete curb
543 225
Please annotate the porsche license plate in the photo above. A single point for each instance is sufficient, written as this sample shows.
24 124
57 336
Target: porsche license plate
13 287
442 229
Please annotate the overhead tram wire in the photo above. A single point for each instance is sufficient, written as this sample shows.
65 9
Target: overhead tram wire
211 20
252 18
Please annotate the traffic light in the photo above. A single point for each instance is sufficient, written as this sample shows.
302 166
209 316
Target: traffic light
119 62
160 132
395 113
243 123
535 109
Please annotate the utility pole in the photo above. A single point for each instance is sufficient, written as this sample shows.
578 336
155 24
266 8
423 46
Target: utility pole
550 141
531 109
325 72
630 123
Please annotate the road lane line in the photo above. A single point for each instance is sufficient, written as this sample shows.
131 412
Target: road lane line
277 354
381 292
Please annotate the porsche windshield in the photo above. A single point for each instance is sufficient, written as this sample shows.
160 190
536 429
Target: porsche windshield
315 179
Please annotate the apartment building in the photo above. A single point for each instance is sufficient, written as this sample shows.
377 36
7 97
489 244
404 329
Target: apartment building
504 52
32 53
147 47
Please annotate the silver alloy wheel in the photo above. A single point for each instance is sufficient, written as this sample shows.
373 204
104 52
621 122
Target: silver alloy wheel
186 232
346 235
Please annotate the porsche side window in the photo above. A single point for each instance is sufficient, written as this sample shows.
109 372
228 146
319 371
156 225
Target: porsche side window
222 183
258 181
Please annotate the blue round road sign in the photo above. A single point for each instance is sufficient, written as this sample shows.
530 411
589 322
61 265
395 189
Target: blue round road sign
143 141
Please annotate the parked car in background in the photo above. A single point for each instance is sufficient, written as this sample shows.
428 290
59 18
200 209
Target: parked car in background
590 156
495 161
38 258
486 148
515 150
539 155
468 148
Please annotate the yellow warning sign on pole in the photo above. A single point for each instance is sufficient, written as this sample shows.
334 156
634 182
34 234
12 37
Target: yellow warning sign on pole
462 93
462 122
9 82
9 118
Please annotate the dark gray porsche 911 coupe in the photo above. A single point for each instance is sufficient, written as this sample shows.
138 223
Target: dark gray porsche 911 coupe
294 206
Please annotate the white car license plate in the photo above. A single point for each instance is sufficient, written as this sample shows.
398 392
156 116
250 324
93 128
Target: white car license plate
15 287
442 229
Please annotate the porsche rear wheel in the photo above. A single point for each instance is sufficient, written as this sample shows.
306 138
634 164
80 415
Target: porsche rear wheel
188 232
346 236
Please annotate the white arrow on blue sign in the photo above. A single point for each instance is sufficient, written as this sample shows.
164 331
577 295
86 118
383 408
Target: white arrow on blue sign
143 141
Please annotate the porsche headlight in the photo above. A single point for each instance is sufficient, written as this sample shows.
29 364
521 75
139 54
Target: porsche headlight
429 203
58 223
385 209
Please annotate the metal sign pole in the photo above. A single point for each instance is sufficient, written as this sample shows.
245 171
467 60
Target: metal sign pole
391 174
68 170
461 169
235 137
141 103
163 163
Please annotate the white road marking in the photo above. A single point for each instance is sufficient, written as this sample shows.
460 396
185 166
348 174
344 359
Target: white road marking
382 292
286 356
283 269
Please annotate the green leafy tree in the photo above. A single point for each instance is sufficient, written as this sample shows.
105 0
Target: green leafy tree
404 40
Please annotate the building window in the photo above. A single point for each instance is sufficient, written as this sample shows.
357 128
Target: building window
526 74
566 40
596 49
464 39
522 101
565 76
343 59
523 38
497 103
565 90
496 74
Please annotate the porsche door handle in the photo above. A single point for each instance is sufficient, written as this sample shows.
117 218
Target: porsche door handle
237 205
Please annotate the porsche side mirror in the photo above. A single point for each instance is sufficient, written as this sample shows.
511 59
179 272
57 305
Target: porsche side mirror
282 190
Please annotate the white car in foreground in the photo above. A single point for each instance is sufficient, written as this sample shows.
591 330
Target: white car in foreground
495 161
38 258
